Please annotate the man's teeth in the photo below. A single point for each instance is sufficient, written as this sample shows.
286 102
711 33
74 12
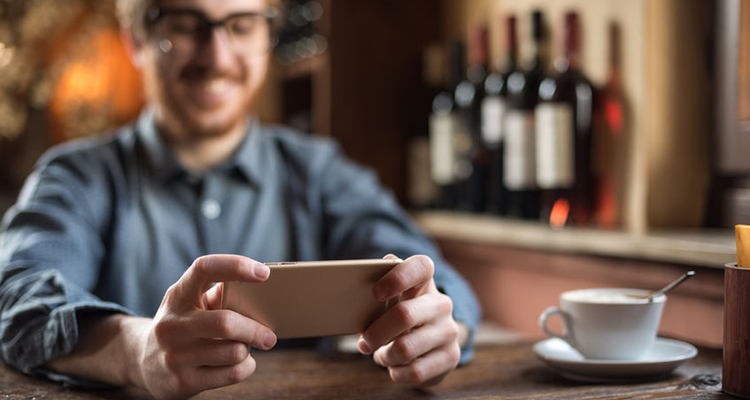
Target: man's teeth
216 85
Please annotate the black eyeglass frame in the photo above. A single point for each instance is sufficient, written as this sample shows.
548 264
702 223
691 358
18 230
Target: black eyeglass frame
154 14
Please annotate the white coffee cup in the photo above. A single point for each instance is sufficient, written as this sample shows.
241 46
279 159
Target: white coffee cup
610 324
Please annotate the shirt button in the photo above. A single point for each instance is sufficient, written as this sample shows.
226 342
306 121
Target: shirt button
211 209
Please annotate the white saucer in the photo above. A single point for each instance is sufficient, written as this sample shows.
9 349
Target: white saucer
664 357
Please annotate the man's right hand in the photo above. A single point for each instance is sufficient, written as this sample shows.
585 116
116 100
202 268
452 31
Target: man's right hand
190 345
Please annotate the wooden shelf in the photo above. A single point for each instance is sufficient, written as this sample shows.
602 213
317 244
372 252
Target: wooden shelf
305 67
707 248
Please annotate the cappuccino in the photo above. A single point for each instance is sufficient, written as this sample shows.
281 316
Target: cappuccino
610 296
611 324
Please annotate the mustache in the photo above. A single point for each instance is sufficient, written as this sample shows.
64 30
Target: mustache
202 72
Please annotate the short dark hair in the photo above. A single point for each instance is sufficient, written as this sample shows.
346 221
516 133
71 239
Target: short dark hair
132 14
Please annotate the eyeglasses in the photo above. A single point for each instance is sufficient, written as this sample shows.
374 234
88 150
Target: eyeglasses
184 30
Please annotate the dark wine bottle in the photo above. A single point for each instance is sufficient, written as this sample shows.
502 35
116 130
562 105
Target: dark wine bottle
564 118
450 143
519 174
468 98
494 107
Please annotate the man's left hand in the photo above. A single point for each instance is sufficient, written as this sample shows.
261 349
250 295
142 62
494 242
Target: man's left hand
417 339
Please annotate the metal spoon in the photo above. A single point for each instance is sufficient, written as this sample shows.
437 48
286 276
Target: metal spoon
669 287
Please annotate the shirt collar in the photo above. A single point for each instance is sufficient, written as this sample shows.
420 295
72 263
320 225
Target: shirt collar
250 158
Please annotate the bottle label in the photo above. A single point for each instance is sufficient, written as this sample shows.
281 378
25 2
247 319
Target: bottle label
442 154
555 147
421 190
493 112
519 164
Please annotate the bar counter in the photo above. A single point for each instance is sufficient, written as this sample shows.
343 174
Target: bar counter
499 371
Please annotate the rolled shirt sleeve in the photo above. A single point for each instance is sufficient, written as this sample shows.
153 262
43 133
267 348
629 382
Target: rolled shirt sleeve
50 252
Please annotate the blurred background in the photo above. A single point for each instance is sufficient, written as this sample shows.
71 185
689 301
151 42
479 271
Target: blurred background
536 140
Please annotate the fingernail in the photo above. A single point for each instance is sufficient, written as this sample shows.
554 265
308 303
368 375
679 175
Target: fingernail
262 271
269 340
363 347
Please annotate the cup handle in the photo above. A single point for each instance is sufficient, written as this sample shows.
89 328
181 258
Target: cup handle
567 334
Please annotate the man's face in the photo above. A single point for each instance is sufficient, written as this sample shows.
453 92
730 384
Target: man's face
203 80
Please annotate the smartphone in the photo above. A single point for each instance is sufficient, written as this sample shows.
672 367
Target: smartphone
313 298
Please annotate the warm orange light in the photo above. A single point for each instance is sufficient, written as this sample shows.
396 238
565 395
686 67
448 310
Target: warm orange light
559 215
99 83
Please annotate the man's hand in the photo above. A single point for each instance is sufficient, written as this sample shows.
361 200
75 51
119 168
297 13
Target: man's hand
417 339
192 345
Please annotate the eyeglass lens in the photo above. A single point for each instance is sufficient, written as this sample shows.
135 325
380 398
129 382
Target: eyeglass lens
249 33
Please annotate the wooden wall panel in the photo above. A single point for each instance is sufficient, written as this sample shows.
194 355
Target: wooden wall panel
514 286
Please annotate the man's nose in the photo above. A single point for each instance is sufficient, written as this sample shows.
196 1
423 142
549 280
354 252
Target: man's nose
217 49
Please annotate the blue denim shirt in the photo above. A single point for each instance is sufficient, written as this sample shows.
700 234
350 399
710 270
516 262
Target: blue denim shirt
107 224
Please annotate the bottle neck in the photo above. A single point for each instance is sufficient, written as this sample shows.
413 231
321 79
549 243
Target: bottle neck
538 46
456 64
570 60
615 74
511 58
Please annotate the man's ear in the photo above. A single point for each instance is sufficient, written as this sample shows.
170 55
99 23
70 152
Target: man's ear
133 45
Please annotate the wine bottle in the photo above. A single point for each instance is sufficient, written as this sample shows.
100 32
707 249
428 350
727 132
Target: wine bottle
611 140
519 175
421 190
450 142
468 99
563 120
494 107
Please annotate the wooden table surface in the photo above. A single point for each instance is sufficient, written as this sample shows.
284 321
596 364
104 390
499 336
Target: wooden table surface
509 371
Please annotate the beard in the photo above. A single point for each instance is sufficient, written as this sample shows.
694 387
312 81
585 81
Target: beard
189 118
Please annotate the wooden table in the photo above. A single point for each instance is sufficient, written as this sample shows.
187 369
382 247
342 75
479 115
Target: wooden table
498 372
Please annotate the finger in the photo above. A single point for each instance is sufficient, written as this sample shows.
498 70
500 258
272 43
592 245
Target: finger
210 269
214 377
406 348
214 353
230 325
429 369
415 272
403 317
213 296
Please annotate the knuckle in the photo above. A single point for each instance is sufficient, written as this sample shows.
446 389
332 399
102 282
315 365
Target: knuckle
237 353
171 292
405 349
405 314
445 304
185 382
425 265
163 329
171 361
235 374
453 332
455 355
401 278
201 264
240 372
223 322
412 375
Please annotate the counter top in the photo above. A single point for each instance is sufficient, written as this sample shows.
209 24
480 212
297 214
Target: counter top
708 248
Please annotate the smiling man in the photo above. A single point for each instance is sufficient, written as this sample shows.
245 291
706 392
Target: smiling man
110 258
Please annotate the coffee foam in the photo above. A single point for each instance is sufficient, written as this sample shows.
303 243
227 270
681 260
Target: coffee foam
609 296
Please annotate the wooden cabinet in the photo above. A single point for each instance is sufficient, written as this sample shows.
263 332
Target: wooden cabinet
366 94
366 91
666 52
